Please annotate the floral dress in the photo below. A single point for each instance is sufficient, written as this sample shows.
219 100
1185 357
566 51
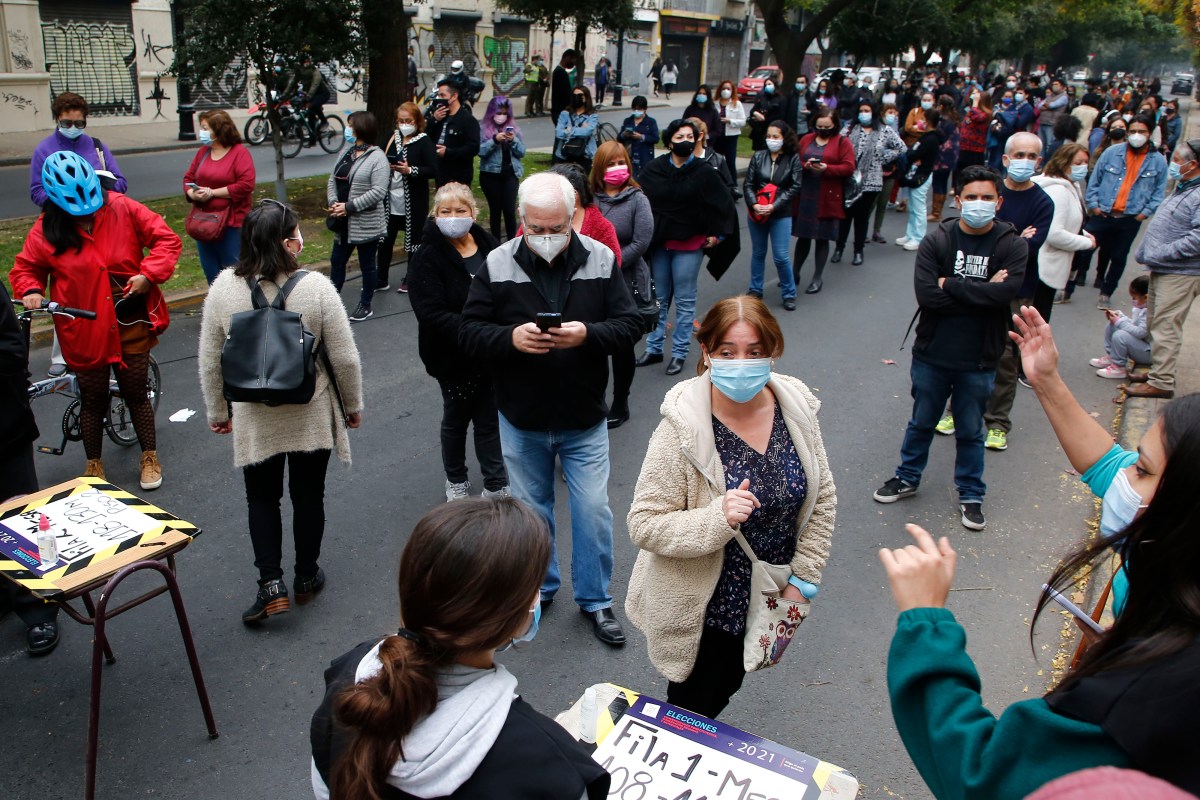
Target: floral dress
778 480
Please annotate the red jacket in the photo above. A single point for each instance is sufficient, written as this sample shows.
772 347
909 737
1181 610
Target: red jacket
122 230
235 170
840 164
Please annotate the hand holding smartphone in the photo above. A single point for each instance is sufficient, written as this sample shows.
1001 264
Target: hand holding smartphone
547 320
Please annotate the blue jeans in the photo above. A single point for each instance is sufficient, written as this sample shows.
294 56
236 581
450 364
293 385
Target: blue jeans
529 457
216 256
675 273
969 392
918 209
339 256
779 231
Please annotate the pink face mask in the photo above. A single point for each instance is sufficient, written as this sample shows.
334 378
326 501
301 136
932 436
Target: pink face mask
616 176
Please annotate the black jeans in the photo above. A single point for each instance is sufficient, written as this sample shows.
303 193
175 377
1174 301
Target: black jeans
859 213
1114 238
623 367
339 257
715 678
500 189
306 486
464 403
387 247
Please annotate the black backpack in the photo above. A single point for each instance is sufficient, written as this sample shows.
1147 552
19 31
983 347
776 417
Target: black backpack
269 356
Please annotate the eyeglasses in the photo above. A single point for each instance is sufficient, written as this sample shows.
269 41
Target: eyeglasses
67 124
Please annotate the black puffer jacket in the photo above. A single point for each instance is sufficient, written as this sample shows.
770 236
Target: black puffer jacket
438 284
785 173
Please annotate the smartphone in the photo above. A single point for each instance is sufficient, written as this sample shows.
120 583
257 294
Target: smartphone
1079 613
547 320
393 159
509 129
192 186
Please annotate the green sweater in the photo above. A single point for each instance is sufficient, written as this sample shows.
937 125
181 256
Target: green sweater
960 749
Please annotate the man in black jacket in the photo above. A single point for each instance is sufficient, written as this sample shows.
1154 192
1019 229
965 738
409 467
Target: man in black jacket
455 133
562 82
551 376
18 431
967 271
799 107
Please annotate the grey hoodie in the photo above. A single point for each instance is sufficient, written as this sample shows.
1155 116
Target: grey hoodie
631 217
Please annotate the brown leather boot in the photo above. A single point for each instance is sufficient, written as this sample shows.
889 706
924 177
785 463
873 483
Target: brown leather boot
935 208
94 469
151 477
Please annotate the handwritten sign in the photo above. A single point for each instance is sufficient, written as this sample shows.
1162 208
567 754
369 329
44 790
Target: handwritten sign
657 751
83 524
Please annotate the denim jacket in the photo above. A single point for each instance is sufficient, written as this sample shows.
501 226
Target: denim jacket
491 156
1147 191
571 126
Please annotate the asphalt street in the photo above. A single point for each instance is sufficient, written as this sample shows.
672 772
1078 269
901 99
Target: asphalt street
153 175
827 698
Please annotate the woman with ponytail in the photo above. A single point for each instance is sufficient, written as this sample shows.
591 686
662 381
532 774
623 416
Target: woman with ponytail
427 712
1133 698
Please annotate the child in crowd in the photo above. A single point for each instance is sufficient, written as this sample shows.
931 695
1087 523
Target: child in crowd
639 132
1125 337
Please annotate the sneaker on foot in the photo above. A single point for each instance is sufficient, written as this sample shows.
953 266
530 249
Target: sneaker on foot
945 425
1101 362
877 238
94 469
1113 372
912 244
1021 379
457 491
1061 297
895 489
272 599
972 516
903 240
383 287
996 439
1104 302
361 313
402 288
500 494
151 474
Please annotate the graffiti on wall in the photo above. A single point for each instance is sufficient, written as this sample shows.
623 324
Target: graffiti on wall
96 60
152 51
18 48
506 57
435 50
226 91
17 101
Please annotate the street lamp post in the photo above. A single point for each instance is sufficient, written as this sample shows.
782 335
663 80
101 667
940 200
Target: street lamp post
616 79
183 88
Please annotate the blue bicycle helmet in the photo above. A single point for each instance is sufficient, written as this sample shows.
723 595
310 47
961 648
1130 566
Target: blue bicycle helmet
72 184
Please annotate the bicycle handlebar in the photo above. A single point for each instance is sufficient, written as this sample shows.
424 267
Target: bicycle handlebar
52 307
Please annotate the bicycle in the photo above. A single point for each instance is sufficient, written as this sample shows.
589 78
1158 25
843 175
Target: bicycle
118 423
300 128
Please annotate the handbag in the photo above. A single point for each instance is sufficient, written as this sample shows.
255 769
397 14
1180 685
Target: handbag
206 226
771 619
764 197
574 149
852 188
647 306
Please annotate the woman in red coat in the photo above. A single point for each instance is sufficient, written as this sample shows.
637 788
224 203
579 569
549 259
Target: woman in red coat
92 245
817 211
221 176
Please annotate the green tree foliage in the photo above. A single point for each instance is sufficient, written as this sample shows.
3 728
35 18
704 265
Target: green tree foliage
267 34
550 14
790 44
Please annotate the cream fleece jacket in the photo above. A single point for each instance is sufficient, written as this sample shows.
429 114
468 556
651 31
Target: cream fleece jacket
677 522
261 431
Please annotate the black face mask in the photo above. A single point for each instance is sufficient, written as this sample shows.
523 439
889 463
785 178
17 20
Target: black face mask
578 101
1116 134
683 149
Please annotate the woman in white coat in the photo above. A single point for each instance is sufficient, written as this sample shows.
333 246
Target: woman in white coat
1064 178
738 449
733 114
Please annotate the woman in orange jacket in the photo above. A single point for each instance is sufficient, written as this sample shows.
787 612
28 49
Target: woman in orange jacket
92 245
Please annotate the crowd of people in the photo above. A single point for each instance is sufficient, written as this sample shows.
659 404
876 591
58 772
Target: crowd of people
518 322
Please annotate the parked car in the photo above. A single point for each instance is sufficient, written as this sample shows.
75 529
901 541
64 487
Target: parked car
1183 83
750 86
1079 75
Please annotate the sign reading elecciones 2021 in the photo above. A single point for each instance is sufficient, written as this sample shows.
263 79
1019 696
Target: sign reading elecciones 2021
657 751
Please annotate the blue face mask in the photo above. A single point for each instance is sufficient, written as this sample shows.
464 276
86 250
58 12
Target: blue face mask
1079 172
1021 169
71 133
864 118
978 213
1174 172
204 137
926 105
701 99
639 114
739 379
768 89
349 134
1121 504
533 628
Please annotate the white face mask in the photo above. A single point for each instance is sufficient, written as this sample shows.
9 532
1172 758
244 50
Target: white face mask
1137 140
500 119
547 246
1120 506
774 145
454 227
407 130
726 94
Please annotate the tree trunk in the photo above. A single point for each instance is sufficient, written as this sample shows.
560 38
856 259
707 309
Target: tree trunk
387 65
581 29
790 46
551 29
271 83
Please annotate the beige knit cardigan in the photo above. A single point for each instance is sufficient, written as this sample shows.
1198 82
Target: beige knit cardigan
260 431
677 522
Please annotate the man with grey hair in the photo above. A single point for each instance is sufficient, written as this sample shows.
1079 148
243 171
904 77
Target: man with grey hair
546 311
1030 210
1171 251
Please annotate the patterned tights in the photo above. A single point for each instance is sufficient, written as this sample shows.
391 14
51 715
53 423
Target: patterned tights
93 393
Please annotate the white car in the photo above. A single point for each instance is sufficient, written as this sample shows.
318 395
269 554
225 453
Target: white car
1080 75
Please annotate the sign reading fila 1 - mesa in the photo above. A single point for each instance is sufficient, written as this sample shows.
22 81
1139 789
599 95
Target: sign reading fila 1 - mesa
657 751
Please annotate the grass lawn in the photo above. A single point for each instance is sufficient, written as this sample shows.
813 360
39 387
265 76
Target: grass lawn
306 195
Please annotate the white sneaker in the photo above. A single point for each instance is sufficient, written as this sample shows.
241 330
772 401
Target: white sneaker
912 244
500 494
903 240
1101 362
1113 372
457 491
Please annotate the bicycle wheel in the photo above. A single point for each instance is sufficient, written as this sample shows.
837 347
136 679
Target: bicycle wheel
292 133
119 422
606 132
330 134
257 130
